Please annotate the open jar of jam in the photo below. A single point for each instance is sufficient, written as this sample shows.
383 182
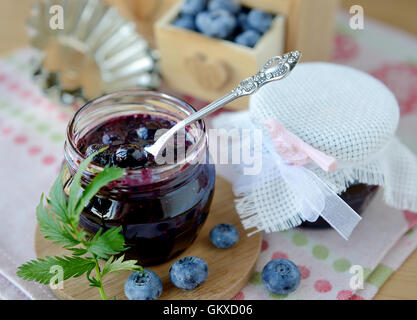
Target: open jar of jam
161 207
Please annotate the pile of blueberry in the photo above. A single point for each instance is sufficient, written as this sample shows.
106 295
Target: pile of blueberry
225 19
126 138
280 276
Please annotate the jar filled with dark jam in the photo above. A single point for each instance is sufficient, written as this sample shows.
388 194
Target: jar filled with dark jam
357 196
160 207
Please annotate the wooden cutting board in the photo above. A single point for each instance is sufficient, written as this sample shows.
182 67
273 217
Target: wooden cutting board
229 269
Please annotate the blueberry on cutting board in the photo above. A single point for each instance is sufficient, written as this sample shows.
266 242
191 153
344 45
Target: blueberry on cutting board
188 273
281 276
143 286
224 235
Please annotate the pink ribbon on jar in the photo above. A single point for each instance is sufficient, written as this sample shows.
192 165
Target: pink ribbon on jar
294 150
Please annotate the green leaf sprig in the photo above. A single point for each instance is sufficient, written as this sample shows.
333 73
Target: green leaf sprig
58 221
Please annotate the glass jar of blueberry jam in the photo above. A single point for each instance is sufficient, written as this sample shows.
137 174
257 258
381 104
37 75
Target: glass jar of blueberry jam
161 207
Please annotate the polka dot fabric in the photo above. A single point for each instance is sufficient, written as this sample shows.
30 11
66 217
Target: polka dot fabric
32 132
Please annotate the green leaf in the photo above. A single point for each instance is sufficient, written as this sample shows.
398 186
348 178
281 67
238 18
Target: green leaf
75 189
53 229
108 243
120 265
108 175
78 251
58 201
39 270
93 281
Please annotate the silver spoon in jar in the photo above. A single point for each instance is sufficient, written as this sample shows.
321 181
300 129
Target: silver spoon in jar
277 68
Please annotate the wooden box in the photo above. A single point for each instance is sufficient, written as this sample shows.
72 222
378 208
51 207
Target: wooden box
310 24
207 68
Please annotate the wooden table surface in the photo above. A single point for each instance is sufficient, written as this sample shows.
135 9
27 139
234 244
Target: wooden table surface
403 283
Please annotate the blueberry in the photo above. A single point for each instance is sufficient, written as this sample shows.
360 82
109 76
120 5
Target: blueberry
143 286
229 5
102 158
259 20
248 38
143 133
192 7
112 138
242 21
93 148
130 156
218 23
281 276
185 22
224 235
188 273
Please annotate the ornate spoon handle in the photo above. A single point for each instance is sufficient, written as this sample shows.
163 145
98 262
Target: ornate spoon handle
276 68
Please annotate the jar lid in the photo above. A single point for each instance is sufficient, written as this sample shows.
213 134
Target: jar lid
338 110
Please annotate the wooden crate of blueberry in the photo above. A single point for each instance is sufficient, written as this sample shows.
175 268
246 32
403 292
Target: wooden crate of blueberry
208 46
